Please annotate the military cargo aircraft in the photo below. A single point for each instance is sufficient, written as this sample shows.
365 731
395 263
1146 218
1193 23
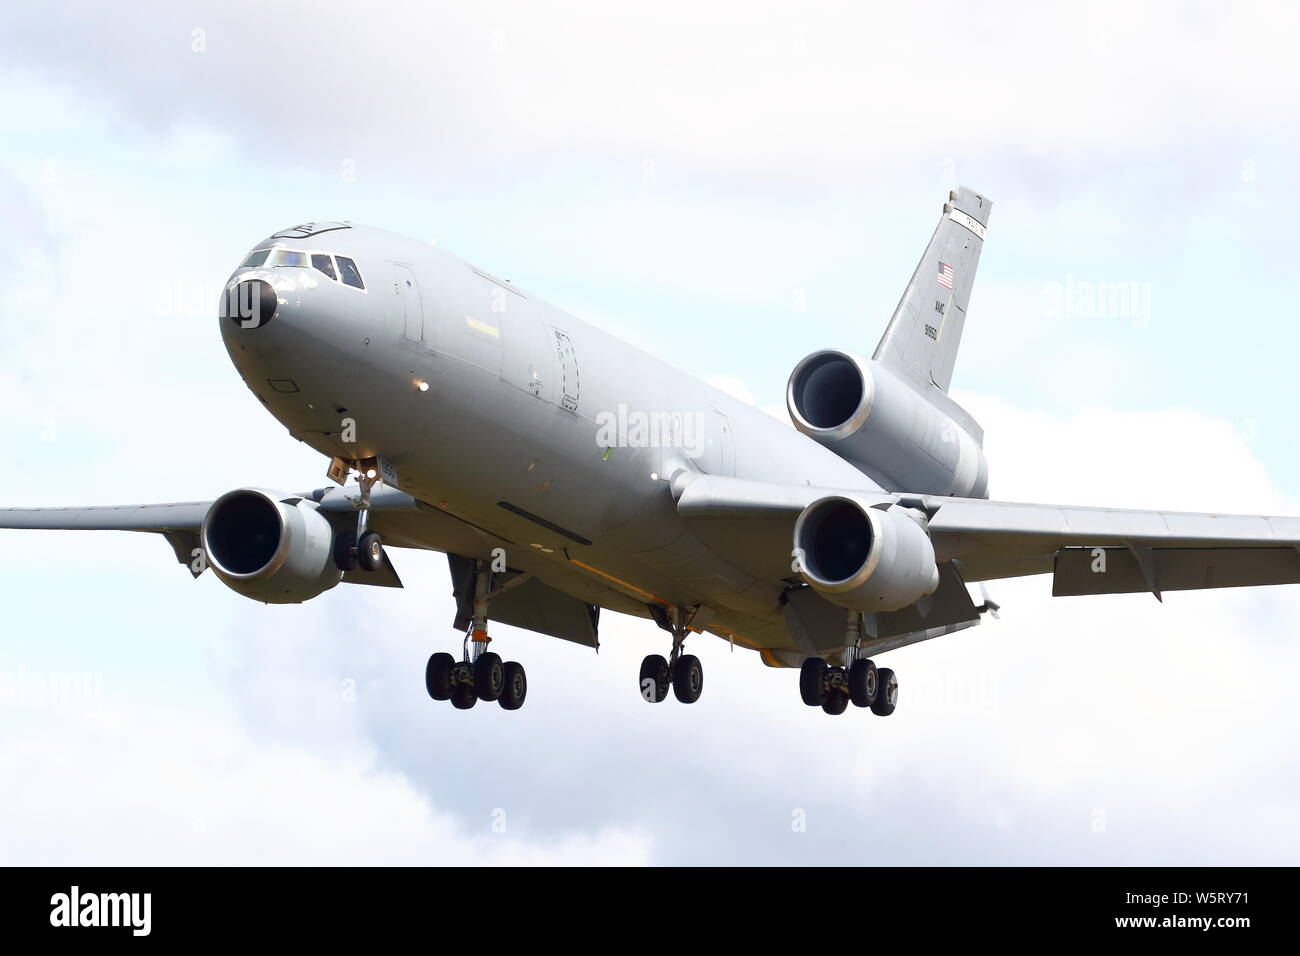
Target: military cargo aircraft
564 472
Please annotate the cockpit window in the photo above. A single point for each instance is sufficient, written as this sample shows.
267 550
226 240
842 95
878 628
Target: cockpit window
349 273
255 258
283 257
323 263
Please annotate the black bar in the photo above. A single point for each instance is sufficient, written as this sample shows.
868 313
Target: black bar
980 906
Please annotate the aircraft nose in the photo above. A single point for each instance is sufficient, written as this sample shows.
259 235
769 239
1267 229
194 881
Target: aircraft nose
250 304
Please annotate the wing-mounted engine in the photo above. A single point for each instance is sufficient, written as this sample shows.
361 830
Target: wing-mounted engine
865 558
273 548
871 417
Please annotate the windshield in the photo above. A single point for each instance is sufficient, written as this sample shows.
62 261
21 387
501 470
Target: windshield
348 272
283 257
339 268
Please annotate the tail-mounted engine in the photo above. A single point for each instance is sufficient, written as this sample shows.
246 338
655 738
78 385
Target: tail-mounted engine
270 547
872 418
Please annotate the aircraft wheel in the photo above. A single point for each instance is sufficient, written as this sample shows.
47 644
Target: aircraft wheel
654 679
688 678
489 676
437 676
516 686
887 696
345 558
370 551
836 702
864 683
812 681
463 697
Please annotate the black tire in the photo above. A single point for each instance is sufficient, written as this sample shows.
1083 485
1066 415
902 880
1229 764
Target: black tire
654 682
812 681
437 676
688 679
837 702
864 683
887 697
516 689
463 697
345 555
370 551
489 676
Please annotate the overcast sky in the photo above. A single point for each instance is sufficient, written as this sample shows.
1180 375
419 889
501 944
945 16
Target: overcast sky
690 176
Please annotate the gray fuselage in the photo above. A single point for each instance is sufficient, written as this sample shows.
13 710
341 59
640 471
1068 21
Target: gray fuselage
519 419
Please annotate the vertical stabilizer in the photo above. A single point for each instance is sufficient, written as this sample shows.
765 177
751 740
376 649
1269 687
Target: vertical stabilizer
924 334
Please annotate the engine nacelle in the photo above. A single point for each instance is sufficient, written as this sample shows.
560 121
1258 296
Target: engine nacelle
864 558
872 418
269 550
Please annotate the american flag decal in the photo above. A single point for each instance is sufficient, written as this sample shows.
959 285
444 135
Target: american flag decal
945 275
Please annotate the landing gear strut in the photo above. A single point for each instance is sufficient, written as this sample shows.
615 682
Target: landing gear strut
683 672
480 674
859 681
362 548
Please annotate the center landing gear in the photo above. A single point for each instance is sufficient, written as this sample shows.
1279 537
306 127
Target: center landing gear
480 674
833 688
683 672
364 549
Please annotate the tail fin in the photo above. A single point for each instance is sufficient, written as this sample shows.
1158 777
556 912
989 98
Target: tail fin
922 339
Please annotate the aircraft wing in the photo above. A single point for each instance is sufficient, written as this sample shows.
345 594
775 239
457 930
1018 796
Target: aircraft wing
180 523
183 516
1115 551
175 517
1087 550
526 601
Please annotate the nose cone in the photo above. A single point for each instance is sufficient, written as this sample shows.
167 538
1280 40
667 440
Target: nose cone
250 304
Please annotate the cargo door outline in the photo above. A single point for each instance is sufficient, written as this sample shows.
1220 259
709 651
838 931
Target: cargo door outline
408 310
570 381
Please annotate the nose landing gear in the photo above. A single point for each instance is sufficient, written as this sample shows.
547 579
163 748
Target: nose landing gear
364 549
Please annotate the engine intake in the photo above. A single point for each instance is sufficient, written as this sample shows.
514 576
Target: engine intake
872 418
267 549
865 558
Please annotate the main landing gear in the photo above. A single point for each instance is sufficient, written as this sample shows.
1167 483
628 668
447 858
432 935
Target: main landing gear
480 674
682 672
363 549
859 681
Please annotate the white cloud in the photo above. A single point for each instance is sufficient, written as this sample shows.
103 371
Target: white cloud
753 89
133 786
